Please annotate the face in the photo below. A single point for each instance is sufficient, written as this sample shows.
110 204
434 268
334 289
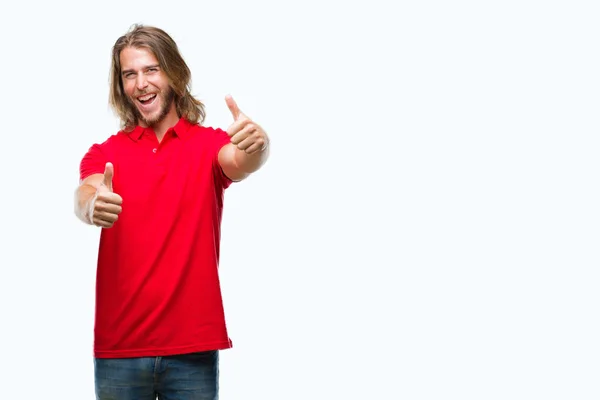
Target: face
146 86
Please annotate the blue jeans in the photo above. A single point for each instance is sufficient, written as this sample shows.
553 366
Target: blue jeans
192 376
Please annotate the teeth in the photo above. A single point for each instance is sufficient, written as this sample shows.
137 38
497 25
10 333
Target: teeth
147 97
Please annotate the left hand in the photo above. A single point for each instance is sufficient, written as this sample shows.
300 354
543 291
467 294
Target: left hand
245 134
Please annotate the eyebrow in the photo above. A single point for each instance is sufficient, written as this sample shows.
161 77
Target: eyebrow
145 68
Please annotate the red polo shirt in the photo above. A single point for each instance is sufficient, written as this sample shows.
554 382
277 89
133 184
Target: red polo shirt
157 282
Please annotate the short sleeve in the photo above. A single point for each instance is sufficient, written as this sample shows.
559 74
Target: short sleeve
220 138
93 162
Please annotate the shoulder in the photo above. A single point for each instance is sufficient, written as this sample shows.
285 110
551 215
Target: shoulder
205 130
109 146
208 135
116 140
212 133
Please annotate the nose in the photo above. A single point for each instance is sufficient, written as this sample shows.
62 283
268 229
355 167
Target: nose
140 82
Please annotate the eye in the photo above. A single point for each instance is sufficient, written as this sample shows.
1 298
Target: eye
153 69
129 75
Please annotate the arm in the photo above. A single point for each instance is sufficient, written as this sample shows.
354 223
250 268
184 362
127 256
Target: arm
237 164
249 147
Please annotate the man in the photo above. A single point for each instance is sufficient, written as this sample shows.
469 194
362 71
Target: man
156 188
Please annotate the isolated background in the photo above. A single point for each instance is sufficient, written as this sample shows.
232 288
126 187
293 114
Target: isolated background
427 226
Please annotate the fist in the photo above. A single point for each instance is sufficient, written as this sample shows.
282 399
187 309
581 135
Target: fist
245 134
106 205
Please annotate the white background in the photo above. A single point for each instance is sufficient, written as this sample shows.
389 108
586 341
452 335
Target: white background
427 226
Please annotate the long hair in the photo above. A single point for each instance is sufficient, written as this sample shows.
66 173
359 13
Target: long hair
171 62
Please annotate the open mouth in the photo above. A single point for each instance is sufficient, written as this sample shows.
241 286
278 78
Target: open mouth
147 99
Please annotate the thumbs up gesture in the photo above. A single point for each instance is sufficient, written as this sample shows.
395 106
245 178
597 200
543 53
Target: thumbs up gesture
246 134
106 205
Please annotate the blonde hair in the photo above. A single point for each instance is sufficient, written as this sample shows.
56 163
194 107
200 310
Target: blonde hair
171 62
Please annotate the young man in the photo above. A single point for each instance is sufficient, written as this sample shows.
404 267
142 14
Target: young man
156 187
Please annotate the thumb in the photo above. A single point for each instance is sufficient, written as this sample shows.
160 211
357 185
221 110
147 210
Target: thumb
233 107
108 176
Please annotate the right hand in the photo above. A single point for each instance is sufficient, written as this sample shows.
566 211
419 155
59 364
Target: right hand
106 205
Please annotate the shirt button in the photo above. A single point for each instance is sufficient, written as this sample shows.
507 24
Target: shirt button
154 150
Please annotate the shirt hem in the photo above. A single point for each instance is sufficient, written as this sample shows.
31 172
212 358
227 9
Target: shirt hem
162 352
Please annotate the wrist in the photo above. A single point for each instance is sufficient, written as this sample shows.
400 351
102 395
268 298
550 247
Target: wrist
89 210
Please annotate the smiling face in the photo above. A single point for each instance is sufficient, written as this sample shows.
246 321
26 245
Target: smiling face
147 87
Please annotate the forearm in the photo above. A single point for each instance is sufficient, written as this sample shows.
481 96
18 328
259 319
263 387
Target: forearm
250 163
84 196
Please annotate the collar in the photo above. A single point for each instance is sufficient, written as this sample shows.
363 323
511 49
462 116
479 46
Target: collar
181 129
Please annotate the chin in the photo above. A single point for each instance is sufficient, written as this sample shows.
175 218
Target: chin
150 119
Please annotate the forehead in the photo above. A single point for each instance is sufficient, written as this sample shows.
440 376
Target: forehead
136 58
